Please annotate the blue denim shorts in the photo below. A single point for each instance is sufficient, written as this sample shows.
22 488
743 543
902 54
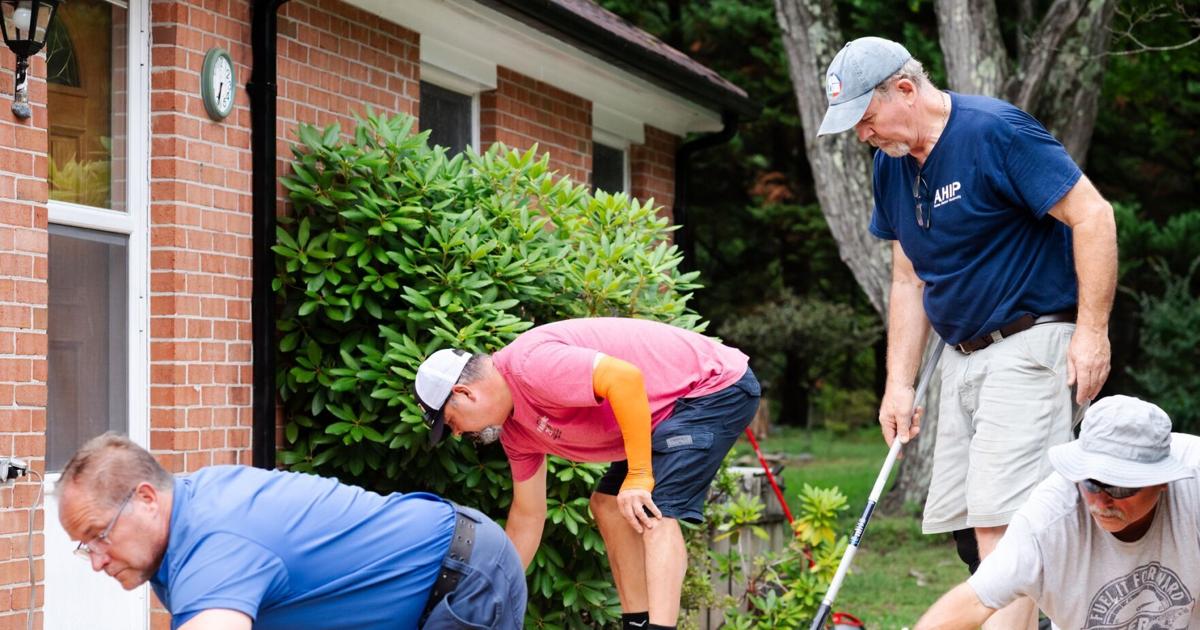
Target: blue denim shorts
491 593
688 448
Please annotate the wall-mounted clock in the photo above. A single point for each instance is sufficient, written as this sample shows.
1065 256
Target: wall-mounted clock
217 83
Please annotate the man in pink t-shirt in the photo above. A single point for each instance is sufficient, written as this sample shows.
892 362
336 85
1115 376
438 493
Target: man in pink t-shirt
663 404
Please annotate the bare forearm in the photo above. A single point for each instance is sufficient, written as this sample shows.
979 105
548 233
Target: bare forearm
525 532
1095 247
959 609
908 328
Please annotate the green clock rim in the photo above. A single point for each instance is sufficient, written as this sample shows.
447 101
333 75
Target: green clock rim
206 91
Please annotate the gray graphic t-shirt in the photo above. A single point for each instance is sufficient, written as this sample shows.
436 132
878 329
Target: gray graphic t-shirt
1083 577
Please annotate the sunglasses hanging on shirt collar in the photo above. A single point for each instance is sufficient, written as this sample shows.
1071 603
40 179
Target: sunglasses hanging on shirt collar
920 189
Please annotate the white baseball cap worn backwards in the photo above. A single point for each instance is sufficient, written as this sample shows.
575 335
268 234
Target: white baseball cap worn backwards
436 378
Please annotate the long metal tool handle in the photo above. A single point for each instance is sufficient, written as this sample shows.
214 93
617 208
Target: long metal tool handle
847 558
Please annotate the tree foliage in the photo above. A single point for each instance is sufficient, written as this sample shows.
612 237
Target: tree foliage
396 250
800 342
1161 287
759 234
748 196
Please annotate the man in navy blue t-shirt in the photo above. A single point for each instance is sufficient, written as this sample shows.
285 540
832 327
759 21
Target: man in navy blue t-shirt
232 547
1008 251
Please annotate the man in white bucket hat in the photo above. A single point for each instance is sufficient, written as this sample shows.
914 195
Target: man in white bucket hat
1110 540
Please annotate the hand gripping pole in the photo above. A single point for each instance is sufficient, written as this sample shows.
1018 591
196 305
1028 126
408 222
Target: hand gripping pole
836 585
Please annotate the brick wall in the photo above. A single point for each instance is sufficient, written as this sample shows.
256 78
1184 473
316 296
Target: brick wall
200 373
335 61
652 169
522 112
330 67
23 317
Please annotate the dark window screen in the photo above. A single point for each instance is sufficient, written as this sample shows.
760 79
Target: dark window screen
447 115
608 168
87 336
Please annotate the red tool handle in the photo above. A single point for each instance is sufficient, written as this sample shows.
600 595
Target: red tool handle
770 477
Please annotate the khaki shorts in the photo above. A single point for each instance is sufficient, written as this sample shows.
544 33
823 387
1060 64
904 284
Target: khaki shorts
1001 409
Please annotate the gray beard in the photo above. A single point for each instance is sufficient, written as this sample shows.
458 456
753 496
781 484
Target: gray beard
894 149
488 435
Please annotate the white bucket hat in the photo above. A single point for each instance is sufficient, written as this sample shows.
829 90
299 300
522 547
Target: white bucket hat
1124 442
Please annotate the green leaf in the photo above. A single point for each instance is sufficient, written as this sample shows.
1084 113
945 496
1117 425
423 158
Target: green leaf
338 428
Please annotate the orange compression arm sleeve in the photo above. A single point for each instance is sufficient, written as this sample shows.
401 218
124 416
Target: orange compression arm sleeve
621 384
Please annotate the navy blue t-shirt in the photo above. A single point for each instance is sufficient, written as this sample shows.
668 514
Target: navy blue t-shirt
991 253
299 551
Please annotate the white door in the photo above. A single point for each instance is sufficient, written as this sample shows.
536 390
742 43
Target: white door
88 394
77 598
97 357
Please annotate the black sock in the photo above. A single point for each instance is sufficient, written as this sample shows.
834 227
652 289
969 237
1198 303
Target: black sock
635 621
655 626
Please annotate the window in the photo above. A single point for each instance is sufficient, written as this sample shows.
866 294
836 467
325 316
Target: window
84 92
448 115
609 169
88 339
96 257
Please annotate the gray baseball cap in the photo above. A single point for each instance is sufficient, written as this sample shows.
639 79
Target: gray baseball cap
852 76
1125 442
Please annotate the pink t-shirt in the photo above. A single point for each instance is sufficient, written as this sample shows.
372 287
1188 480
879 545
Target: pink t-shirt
549 372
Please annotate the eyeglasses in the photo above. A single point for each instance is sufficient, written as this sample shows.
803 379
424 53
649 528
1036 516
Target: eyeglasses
920 190
1116 492
86 549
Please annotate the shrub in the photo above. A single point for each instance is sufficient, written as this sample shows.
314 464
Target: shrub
800 344
1170 337
1156 343
396 250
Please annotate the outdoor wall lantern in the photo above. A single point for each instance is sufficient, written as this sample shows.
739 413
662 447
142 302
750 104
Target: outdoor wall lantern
24 25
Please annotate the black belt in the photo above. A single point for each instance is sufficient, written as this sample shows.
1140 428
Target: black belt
448 577
1024 323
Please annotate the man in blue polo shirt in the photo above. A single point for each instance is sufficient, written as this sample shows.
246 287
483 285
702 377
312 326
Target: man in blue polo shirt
232 547
1009 252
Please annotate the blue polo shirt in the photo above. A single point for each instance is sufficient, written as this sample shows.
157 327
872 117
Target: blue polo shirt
297 551
991 253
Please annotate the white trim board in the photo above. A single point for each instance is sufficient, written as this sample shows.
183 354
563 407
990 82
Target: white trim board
482 34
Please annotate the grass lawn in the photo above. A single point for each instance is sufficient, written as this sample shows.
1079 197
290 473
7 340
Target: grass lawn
898 572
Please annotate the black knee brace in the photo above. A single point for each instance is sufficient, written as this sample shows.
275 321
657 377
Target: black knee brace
968 548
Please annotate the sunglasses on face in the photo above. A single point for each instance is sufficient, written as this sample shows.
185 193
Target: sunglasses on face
1116 492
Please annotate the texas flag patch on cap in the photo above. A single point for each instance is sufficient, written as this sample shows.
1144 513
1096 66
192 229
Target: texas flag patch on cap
833 86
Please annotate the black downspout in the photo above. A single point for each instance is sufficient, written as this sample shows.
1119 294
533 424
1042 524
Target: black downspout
683 169
264 27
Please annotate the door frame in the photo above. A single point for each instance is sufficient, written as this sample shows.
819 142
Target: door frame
134 224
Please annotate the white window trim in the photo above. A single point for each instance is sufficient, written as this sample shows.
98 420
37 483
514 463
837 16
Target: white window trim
134 222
